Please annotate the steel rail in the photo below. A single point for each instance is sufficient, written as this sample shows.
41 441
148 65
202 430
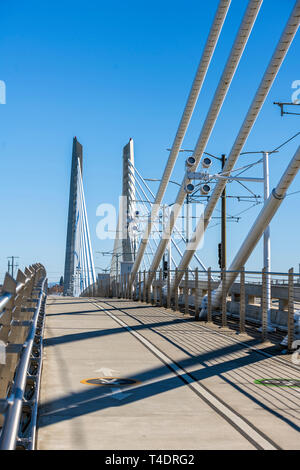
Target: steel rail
6 297
207 55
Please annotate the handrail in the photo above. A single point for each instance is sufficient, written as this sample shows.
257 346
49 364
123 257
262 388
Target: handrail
11 425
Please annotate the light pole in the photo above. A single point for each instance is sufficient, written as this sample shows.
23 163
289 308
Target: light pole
267 235
267 242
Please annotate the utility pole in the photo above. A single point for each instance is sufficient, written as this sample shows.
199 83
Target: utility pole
267 241
11 266
223 224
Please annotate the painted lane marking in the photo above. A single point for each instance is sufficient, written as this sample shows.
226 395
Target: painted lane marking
237 421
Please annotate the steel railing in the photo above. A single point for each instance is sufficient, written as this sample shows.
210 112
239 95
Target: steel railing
21 326
192 290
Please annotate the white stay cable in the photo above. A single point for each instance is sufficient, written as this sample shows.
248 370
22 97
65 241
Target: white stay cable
253 112
207 55
211 118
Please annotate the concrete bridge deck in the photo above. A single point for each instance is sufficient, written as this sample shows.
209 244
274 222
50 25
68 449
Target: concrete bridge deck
194 384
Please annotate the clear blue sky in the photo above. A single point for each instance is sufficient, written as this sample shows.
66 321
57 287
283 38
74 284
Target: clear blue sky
107 71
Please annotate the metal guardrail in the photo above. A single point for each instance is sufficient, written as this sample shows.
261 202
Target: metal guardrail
21 327
245 300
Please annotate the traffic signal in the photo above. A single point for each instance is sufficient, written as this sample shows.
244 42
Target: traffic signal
165 269
220 254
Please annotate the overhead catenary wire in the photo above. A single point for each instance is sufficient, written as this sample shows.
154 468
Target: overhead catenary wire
207 55
175 227
271 72
230 68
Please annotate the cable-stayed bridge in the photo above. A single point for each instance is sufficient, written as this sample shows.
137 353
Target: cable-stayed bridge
79 263
128 362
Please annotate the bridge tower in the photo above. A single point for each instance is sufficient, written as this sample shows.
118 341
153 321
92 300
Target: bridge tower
124 246
79 266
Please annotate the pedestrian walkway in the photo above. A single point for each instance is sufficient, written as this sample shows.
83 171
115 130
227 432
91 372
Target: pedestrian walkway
161 381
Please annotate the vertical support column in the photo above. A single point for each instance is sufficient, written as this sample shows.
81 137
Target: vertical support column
140 286
169 289
70 268
223 221
155 289
224 299
135 287
176 291
149 288
209 312
129 286
242 301
186 292
144 286
196 294
264 307
160 288
291 325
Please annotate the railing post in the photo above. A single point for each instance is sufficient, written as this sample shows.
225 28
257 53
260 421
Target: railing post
140 286
186 292
160 288
129 287
144 286
196 294
169 289
149 289
242 301
224 299
264 307
134 296
155 289
291 325
176 308
209 312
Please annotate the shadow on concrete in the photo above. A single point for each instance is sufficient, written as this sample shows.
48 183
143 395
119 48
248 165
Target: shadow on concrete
92 399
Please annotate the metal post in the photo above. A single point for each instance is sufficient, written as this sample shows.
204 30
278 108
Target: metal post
223 224
160 288
130 286
224 299
267 242
149 289
242 301
209 310
196 294
144 286
169 289
264 311
176 291
135 287
140 286
187 222
291 325
155 289
186 292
